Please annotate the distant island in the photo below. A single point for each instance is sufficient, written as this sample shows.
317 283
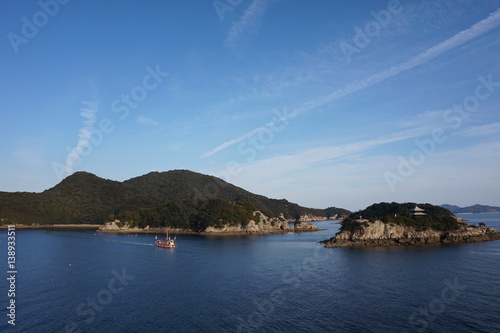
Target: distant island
179 200
475 209
393 223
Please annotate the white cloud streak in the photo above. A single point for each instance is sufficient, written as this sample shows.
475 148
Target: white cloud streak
234 141
483 130
335 175
89 114
334 166
277 166
248 23
476 30
146 121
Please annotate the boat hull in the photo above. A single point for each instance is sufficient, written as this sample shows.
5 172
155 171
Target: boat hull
165 244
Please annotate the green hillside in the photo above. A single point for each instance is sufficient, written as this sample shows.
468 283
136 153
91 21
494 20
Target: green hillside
184 184
79 199
83 198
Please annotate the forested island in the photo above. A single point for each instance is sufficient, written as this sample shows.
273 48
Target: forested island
394 223
180 199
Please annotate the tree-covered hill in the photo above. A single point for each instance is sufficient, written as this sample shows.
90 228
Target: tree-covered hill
188 185
84 198
79 199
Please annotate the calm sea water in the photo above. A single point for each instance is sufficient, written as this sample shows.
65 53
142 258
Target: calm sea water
74 281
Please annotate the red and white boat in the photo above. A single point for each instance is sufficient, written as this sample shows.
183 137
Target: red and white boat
167 242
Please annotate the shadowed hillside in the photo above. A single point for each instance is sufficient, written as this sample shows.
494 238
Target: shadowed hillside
84 198
184 184
79 199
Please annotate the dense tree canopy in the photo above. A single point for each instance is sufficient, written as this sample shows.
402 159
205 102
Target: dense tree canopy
437 218
84 198
185 214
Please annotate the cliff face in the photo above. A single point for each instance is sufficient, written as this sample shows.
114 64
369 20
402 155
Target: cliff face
381 234
304 226
265 225
307 218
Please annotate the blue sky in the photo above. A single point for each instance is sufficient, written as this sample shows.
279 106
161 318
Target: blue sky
324 103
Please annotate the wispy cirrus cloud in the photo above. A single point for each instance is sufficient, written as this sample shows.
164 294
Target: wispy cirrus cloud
308 158
89 114
462 37
248 24
299 161
146 121
481 130
431 118
333 162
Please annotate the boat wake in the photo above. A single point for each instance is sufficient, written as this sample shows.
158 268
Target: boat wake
497 253
125 242
98 236
137 243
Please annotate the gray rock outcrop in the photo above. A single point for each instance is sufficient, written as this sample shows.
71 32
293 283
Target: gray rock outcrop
382 234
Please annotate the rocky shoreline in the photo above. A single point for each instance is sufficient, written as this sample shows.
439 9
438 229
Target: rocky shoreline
264 226
113 228
377 233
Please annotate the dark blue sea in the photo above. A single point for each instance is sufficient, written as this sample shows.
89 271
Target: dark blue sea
80 281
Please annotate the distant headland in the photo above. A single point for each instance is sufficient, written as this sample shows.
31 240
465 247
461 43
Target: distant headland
474 209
